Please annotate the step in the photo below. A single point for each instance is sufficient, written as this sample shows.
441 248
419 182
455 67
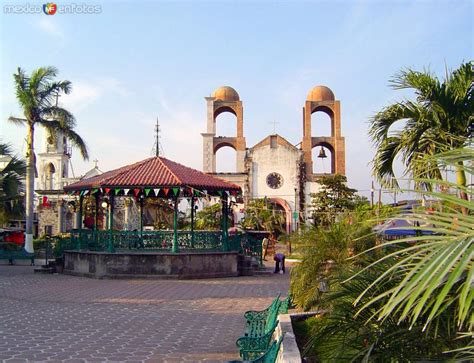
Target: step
45 270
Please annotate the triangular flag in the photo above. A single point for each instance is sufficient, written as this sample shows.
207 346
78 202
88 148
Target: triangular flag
107 190
126 191
196 192
117 190
86 192
219 192
166 190
227 192
147 191
157 190
175 191
95 191
136 191
82 193
205 192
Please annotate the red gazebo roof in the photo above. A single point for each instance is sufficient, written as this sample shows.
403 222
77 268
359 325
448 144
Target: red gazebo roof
154 172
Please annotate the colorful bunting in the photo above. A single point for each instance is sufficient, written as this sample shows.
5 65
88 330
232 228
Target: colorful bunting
136 191
126 191
227 192
157 190
107 190
95 191
147 191
219 192
86 192
166 190
117 190
196 192
175 191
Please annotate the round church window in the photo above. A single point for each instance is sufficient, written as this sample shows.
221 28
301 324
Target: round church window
274 180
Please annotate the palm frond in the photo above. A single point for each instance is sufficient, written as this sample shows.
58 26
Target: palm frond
437 268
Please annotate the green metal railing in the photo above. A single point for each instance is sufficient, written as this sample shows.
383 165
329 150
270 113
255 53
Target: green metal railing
122 241
145 240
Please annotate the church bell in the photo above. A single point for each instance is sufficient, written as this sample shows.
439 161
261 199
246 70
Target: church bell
322 153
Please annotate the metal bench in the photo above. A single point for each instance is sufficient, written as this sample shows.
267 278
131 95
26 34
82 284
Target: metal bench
261 314
284 305
13 251
259 328
268 356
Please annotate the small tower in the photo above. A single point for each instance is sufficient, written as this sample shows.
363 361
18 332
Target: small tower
53 175
322 99
53 163
224 99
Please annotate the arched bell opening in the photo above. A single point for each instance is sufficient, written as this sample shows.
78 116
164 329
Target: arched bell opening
323 159
225 120
322 122
50 176
225 155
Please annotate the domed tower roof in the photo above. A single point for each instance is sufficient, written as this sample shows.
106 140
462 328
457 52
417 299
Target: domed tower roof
226 93
320 93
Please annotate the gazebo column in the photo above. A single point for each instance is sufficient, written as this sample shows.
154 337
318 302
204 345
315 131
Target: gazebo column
141 219
110 246
96 219
225 229
192 221
175 248
79 225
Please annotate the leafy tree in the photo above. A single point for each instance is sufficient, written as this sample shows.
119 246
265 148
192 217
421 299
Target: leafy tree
438 120
11 185
333 198
210 218
261 215
36 95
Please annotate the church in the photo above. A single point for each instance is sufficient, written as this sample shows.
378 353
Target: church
274 168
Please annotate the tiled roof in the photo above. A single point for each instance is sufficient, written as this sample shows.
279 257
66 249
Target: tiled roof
154 172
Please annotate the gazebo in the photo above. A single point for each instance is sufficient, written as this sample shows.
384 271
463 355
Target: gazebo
155 177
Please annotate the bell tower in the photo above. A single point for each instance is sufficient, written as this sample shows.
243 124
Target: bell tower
224 99
322 99
53 163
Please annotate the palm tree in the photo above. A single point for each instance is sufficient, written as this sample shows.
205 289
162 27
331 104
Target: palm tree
11 184
436 270
440 119
36 95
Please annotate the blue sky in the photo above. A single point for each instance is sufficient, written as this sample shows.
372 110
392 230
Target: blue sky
138 60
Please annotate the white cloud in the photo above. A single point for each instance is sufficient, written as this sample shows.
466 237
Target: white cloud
49 26
84 93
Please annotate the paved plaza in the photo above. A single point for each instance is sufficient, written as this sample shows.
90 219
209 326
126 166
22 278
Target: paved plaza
60 318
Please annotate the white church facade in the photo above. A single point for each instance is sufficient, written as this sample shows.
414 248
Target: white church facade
274 168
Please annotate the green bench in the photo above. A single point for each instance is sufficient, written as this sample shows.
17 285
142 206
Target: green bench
260 326
269 356
13 251
261 314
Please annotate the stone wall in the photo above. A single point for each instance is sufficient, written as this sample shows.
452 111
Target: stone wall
150 265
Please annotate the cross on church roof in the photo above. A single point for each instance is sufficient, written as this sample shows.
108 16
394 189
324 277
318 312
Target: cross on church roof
57 98
274 126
